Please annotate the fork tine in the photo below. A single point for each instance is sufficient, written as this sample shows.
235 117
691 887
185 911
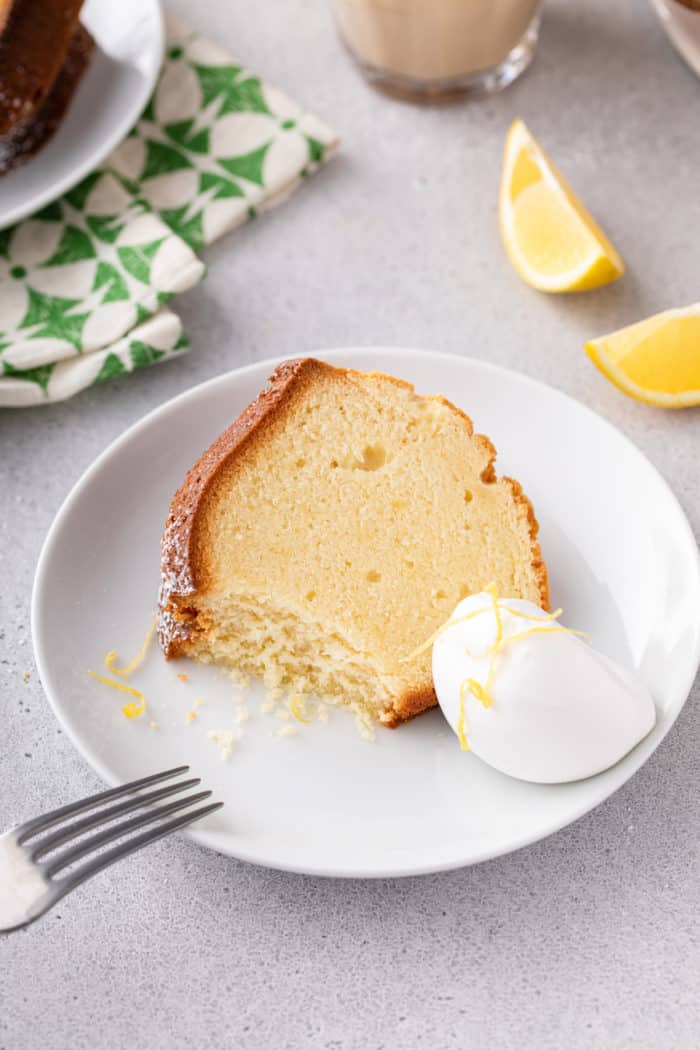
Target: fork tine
102 816
131 846
117 831
47 820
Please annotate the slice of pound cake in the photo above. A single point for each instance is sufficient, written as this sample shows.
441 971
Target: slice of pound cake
332 529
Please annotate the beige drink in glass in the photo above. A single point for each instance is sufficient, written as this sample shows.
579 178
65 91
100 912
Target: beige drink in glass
436 48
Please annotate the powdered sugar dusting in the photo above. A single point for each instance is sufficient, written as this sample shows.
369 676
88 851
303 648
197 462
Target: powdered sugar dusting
175 580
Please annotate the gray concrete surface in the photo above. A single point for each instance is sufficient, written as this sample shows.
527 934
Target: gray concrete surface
586 940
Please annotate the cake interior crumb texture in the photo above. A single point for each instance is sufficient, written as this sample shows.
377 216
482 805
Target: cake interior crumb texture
331 530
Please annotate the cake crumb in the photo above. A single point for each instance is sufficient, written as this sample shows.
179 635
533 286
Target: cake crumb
364 726
197 703
272 677
225 739
183 677
190 716
27 675
242 680
287 731
153 724
242 714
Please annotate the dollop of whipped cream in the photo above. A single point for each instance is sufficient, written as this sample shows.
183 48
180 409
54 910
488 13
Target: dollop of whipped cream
530 697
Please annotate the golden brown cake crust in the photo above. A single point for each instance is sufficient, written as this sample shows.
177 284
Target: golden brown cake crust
178 546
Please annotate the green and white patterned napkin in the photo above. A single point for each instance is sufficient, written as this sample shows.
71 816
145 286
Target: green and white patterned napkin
83 283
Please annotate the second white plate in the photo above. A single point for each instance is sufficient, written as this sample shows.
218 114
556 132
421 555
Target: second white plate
129 40
683 29
623 564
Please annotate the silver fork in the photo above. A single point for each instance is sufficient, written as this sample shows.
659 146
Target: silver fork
28 884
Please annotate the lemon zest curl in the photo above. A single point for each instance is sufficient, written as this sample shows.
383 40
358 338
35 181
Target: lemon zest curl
130 709
111 657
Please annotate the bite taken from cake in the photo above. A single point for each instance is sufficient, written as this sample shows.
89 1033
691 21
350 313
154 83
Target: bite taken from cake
331 530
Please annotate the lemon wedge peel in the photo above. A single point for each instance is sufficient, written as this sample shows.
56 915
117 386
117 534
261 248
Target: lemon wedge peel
656 361
573 254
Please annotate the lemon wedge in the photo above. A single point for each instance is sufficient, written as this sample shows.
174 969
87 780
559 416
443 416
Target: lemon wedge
657 360
552 241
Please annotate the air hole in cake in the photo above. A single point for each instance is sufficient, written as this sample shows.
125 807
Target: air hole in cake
468 496
300 463
373 576
464 591
439 595
310 596
334 464
373 458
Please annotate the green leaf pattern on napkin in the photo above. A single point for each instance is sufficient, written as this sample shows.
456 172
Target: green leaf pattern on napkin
158 339
83 282
216 142
69 287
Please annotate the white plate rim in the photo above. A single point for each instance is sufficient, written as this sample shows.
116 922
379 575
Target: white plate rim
602 790
682 27
120 129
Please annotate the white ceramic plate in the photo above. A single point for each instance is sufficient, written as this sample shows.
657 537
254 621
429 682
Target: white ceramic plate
129 39
623 565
